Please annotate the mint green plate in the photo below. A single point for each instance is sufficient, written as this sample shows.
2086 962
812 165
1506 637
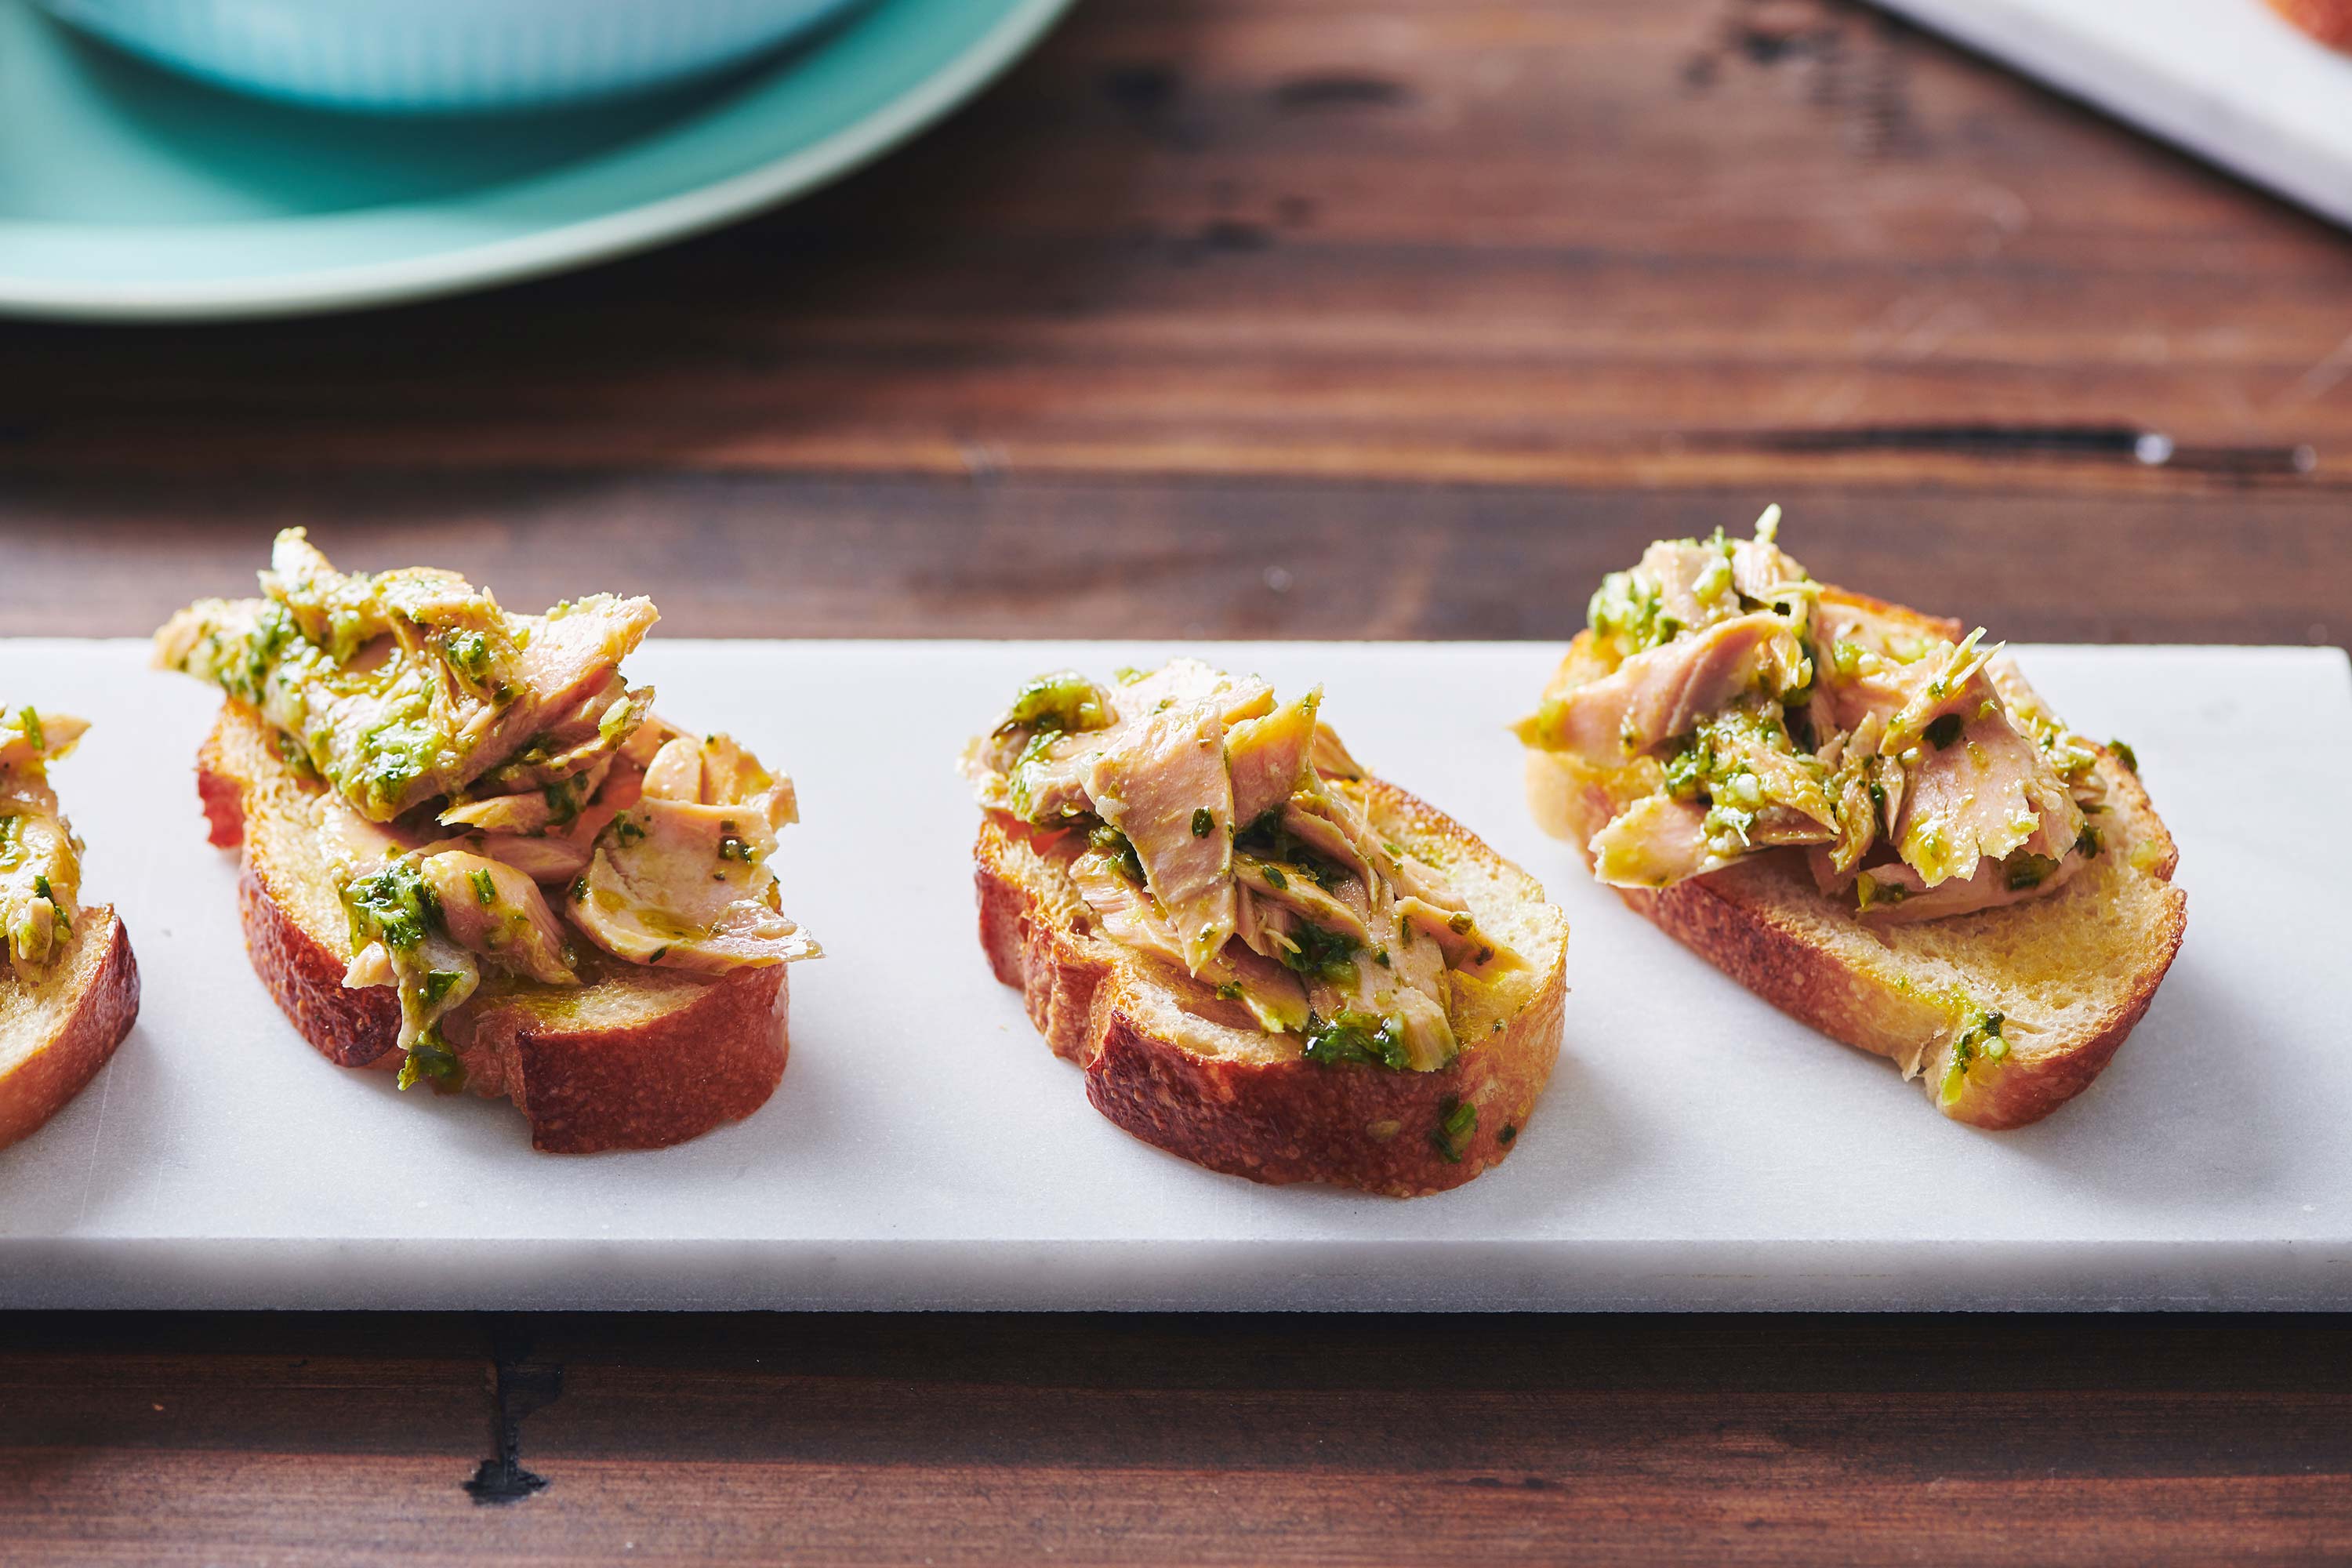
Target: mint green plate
128 194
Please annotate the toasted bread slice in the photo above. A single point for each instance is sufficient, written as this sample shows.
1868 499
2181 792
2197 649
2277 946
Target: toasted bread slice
636 1058
2070 972
1176 1067
54 1036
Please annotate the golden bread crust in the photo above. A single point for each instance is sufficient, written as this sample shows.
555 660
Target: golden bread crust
1764 923
1271 1116
74 1027
638 1060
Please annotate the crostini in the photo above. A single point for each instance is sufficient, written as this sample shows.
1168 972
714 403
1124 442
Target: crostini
68 984
1868 819
1265 959
470 851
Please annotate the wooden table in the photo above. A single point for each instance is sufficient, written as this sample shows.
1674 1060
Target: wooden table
1324 318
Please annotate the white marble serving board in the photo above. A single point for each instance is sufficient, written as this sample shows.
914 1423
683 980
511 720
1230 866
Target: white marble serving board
1694 1150
2227 79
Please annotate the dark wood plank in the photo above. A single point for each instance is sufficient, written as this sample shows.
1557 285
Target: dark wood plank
865 1439
1752 242
759 555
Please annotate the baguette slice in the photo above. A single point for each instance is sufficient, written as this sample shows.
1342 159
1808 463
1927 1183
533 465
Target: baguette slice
637 1058
54 1037
1171 1064
2070 973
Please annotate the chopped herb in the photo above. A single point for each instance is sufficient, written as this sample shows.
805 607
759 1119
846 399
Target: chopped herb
1356 1037
1116 845
1726 825
2087 843
626 830
580 887
564 798
1063 701
1275 879
1456 1123
1944 731
659 953
1231 991
393 905
437 984
57 908
1460 924
1868 890
1506 1134
1382 958
1202 822
1327 955
2125 754
1981 1040
485 892
1687 772
467 653
430 1059
733 849
1629 613
2026 870
31 720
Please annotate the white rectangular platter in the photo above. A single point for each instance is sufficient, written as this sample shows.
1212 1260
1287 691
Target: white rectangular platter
1696 1149
2229 79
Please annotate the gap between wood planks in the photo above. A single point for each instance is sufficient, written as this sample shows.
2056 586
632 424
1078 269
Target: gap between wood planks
518 1387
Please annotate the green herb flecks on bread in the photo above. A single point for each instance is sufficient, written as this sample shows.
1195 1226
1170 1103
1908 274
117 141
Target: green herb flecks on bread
68 984
1868 818
518 876
1265 959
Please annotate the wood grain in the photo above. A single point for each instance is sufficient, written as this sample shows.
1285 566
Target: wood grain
766 555
895 1439
1263 317
1726 242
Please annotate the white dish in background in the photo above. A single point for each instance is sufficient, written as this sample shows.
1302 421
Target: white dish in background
445 56
2227 79
1694 1150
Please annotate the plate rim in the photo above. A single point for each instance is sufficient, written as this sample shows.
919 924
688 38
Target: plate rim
561 247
